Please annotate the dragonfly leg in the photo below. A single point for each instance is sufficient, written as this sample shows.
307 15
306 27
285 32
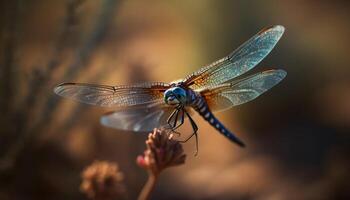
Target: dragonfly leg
173 126
171 116
176 116
182 120
195 129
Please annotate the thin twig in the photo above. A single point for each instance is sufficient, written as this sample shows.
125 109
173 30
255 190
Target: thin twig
148 187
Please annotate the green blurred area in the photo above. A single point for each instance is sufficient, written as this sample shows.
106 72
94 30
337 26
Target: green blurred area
297 134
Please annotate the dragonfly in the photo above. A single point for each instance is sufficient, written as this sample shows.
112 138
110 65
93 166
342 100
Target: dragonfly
213 88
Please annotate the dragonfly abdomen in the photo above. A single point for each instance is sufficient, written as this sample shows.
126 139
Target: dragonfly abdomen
202 108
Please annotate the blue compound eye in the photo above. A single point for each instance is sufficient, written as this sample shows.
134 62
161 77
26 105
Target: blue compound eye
167 93
175 96
179 93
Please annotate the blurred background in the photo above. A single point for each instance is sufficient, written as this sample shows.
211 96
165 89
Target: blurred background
297 134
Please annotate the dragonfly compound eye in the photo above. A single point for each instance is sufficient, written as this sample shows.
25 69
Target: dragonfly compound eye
170 98
180 94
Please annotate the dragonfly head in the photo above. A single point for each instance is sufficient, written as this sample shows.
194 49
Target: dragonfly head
175 96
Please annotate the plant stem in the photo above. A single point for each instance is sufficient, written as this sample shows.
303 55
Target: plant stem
149 187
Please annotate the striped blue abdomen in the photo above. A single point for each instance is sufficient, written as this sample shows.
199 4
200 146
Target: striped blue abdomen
202 108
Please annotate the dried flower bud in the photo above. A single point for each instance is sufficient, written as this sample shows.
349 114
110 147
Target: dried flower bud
102 180
162 152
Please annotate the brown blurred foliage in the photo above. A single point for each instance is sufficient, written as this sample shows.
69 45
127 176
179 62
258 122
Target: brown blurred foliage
102 180
297 134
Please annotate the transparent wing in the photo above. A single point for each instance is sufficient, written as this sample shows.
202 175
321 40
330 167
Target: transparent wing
238 62
139 119
103 95
235 93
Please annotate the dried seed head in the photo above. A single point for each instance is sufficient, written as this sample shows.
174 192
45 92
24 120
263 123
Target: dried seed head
162 152
102 180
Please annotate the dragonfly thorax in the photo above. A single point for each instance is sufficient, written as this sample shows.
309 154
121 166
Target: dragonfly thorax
175 96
